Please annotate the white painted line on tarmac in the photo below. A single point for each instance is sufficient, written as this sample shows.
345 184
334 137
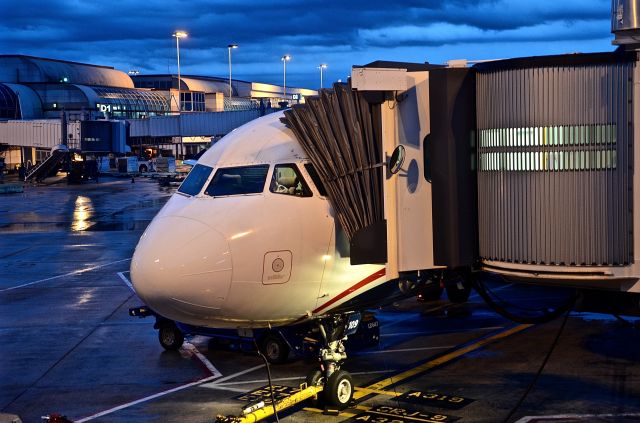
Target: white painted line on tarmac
566 417
75 272
126 280
233 376
187 346
145 399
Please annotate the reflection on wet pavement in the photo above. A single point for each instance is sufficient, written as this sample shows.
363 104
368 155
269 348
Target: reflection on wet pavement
112 206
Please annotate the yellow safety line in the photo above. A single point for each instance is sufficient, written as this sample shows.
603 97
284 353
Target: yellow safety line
342 413
368 391
379 386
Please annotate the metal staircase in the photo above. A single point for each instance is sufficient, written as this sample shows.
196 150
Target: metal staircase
41 171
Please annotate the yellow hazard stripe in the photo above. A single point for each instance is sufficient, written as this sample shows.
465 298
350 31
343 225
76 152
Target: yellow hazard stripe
367 391
381 385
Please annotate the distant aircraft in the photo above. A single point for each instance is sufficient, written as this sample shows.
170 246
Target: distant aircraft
250 240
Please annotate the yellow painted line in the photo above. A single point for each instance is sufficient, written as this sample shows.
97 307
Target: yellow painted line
379 386
368 391
342 413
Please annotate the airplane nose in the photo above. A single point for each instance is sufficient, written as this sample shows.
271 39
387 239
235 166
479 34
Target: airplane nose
181 268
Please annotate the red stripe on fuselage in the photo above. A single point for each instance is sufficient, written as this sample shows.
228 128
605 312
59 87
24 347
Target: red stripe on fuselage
351 290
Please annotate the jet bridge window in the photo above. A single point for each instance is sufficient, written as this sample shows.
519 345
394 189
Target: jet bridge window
238 181
288 180
195 180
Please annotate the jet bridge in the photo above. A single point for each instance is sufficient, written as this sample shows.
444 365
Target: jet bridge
520 167
422 218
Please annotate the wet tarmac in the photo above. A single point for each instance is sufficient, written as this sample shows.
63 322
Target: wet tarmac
69 345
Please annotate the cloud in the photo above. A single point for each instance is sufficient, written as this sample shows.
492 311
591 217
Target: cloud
128 33
448 33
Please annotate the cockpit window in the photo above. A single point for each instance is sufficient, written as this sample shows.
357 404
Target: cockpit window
195 180
288 180
315 178
238 180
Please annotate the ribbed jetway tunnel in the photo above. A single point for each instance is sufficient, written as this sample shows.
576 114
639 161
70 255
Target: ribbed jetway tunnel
555 168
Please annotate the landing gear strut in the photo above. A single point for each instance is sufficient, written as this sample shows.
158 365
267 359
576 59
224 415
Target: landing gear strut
338 384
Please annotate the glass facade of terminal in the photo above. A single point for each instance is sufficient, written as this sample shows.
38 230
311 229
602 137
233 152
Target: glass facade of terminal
192 101
9 107
130 103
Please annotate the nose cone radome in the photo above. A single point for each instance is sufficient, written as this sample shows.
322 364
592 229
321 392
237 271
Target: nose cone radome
182 269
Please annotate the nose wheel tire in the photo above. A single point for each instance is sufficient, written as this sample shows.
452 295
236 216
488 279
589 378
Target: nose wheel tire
274 348
171 338
339 389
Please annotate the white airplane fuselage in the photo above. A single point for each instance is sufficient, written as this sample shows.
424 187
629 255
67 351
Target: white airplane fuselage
215 258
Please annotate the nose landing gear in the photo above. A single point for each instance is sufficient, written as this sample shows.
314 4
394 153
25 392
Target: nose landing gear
338 384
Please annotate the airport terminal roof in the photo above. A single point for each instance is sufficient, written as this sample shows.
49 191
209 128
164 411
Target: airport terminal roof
21 69
205 84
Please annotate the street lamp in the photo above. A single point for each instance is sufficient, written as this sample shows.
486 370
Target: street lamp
178 35
285 59
321 67
230 47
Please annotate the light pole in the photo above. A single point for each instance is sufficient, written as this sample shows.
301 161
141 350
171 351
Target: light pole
178 35
321 67
285 59
230 47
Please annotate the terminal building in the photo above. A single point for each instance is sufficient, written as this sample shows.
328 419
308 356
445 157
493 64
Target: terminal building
101 110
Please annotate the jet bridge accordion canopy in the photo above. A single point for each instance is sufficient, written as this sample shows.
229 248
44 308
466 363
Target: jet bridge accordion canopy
555 138
341 132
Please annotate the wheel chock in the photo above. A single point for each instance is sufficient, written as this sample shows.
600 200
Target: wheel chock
331 411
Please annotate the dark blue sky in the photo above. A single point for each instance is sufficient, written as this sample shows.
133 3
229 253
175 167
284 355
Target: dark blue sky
137 34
